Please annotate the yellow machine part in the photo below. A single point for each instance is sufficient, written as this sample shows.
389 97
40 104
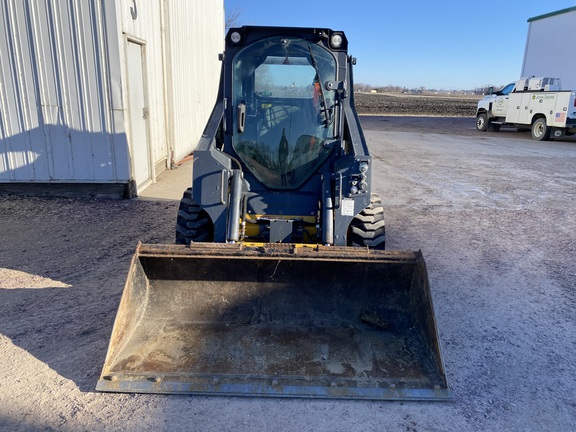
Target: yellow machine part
252 228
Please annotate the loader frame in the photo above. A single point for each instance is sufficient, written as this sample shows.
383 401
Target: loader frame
266 294
222 181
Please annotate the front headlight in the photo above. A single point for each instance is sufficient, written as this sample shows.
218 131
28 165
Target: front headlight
336 40
236 37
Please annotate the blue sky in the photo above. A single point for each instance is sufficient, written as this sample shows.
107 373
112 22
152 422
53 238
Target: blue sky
451 44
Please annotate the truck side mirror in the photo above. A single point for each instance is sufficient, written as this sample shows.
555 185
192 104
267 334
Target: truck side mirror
490 90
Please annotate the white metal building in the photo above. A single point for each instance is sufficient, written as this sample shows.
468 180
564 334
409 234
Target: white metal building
104 94
549 47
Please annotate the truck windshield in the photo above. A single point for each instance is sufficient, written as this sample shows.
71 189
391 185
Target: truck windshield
287 109
506 90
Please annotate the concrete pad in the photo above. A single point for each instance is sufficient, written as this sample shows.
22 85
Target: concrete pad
171 184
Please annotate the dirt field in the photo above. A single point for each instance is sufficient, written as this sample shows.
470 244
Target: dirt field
416 105
493 213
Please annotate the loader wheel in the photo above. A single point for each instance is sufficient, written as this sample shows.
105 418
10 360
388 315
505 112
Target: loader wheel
368 228
193 223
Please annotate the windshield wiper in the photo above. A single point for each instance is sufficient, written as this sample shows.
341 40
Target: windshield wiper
323 107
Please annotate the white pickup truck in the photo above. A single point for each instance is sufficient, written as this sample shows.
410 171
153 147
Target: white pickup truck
536 104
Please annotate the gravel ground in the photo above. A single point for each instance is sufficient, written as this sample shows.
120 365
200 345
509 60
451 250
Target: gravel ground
492 212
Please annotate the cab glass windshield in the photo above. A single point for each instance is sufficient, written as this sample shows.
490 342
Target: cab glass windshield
283 113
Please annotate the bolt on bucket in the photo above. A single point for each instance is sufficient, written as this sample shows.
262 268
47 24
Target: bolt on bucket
276 320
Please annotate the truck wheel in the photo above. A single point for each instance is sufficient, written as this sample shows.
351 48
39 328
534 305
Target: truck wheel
540 130
368 228
193 223
482 122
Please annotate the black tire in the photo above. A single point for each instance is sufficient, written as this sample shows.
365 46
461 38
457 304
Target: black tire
482 122
540 130
368 228
193 223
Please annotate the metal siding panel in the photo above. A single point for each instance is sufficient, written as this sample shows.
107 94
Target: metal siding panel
56 119
89 36
65 57
546 48
38 145
21 98
82 56
61 93
5 82
116 123
155 84
64 78
106 168
45 88
196 37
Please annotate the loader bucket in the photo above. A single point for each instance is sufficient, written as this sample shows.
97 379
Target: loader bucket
276 320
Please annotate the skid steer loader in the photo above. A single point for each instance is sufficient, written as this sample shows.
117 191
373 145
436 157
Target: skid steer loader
279 284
